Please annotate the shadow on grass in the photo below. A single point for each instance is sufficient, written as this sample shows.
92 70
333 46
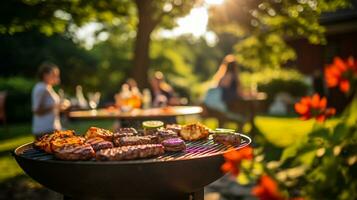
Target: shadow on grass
22 187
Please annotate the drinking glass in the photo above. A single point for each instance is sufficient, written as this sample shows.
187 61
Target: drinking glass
93 99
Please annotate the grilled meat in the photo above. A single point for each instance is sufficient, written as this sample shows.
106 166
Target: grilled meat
75 152
120 135
59 143
98 143
174 144
227 139
127 130
194 131
99 132
164 134
135 140
130 152
149 131
174 127
45 141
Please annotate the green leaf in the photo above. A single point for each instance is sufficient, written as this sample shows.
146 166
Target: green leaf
320 132
289 152
340 132
307 158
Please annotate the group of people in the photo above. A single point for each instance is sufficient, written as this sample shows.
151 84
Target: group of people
46 104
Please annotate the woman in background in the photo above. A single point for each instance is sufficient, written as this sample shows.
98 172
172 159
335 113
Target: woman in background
162 92
226 88
45 101
226 78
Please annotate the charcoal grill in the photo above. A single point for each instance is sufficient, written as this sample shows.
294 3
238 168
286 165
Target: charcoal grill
179 175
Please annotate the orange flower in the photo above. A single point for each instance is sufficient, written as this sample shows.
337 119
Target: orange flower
314 106
234 158
267 189
340 73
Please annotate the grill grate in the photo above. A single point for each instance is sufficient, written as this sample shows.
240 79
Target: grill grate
195 149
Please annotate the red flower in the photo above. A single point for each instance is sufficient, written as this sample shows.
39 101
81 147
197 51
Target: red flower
234 158
267 189
338 74
314 106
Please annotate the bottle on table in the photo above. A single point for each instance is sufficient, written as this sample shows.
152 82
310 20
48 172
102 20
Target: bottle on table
136 98
124 96
82 102
146 98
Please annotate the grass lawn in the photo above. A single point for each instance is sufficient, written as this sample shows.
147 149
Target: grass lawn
278 130
283 132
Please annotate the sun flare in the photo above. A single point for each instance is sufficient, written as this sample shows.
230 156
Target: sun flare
214 2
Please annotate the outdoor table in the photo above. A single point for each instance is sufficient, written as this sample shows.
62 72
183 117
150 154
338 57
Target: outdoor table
166 114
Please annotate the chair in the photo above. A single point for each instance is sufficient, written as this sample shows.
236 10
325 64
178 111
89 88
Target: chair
222 117
3 95
247 109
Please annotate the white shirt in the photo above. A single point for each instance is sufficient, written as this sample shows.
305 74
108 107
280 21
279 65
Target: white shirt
44 95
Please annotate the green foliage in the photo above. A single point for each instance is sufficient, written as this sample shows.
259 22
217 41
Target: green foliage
274 81
272 51
51 17
186 63
331 164
263 26
18 100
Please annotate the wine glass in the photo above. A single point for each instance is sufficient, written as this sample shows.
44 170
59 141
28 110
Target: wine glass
93 99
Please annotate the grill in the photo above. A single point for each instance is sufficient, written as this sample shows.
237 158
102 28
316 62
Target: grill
179 175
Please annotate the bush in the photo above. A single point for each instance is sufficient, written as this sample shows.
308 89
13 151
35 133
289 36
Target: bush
18 100
274 81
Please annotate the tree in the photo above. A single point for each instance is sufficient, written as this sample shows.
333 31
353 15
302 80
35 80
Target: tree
262 27
60 16
151 13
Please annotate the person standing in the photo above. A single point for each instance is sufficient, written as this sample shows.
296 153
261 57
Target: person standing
45 101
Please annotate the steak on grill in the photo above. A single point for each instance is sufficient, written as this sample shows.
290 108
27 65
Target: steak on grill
75 152
164 134
227 139
120 135
174 144
130 152
98 143
127 130
174 127
134 140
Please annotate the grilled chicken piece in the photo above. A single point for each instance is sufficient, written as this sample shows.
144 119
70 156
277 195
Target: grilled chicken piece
45 141
135 140
164 134
99 132
227 139
194 131
75 152
59 143
130 152
98 143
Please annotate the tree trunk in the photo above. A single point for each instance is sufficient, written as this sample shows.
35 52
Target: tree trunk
141 60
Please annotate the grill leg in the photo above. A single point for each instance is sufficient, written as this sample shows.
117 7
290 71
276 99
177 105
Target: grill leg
67 197
198 195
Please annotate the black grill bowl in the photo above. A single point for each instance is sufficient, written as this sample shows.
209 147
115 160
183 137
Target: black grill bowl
165 177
